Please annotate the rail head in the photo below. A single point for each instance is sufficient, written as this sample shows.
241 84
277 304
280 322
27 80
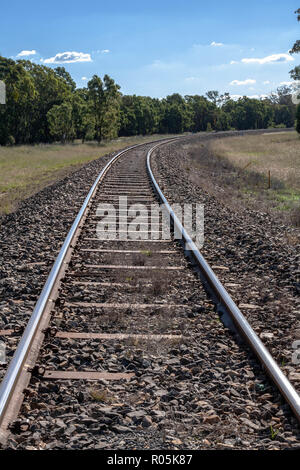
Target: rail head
9 381
245 329
18 362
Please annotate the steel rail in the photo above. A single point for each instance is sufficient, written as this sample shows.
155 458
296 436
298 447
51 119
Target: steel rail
17 363
272 368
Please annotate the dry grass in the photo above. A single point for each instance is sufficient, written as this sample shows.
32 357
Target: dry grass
279 153
100 395
295 216
154 283
253 156
156 346
236 169
26 169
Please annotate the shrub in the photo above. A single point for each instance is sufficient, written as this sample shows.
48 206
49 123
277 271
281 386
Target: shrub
11 140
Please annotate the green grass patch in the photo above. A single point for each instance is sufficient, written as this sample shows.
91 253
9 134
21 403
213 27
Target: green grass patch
288 199
146 252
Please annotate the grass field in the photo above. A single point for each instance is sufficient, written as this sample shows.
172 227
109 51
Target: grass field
26 169
255 155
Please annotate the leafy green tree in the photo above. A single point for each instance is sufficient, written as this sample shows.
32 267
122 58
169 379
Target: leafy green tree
17 113
128 120
146 114
284 94
60 122
172 120
284 110
213 96
202 111
247 113
88 126
51 89
183 122
223 99
82 115
104 98
295 72
284 115
61 72
222 122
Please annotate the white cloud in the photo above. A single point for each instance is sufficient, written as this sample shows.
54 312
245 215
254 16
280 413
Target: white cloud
266 82
216 44
274 58
26 53
249 81
68 58
236 97
83 78
233 62
101 51
257 97
286 83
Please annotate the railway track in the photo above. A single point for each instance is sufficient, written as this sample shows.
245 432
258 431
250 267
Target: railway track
115 320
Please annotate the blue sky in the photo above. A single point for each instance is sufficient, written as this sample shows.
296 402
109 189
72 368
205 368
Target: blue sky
160 47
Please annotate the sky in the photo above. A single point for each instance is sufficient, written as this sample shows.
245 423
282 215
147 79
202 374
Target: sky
160 47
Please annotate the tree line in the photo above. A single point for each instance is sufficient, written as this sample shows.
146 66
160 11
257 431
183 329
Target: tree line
44 105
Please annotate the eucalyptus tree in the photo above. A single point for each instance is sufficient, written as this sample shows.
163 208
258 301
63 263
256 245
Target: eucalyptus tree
104 99
60 122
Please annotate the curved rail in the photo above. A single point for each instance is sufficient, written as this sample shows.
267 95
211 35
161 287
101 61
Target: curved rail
18 362
273 370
